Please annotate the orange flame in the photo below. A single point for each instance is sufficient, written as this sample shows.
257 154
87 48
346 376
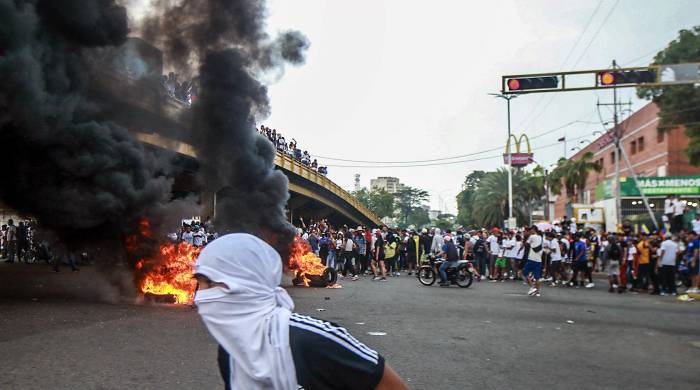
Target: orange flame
169 272
304 261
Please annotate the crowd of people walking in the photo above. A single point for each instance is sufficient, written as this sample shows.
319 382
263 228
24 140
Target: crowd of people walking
558 256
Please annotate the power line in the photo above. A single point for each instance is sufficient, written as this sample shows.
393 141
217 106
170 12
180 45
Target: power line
583 53
454 157
643 56
595 35
571 51
449 162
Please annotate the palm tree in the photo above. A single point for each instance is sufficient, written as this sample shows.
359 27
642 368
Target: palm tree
582 168
533 187
572 174
490 201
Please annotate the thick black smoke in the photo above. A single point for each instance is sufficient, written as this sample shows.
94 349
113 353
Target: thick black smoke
224 44
80 174
74 173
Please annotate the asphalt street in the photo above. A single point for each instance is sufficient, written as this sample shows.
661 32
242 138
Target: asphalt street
489 336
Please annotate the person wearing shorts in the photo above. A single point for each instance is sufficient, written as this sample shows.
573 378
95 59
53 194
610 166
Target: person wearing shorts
533 266
500 264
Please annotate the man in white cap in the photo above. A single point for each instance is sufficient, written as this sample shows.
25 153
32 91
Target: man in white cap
262 344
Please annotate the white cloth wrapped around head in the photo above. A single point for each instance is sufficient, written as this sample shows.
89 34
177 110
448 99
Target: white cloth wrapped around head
250 316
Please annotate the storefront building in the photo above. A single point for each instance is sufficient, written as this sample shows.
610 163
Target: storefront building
657 158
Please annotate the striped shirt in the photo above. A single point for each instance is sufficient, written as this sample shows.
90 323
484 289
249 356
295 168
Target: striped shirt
325 356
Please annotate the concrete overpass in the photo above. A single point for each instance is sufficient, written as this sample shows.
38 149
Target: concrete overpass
312 195
159 120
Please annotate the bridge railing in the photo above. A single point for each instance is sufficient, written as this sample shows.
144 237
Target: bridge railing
289 163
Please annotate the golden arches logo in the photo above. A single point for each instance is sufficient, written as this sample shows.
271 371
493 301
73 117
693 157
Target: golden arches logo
518 142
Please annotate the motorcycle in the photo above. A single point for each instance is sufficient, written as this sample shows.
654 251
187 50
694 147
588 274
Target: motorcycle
462 274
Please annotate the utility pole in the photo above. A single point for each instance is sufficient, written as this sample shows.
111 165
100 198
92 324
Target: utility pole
620 153
618 139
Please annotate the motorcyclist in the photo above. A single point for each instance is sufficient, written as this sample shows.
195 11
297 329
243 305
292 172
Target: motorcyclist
450 258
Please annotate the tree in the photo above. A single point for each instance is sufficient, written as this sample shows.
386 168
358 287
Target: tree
377 201
573 174
443 224
418 217
465 198
679 104
533 188
408 199
490 201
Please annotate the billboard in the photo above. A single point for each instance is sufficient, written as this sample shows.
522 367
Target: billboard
652 186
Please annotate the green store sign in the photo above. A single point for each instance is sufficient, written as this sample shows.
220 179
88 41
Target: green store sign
652 186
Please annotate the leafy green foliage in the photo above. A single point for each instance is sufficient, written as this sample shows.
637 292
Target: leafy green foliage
465 198
679 104
418 217
378 201
572 175
408 200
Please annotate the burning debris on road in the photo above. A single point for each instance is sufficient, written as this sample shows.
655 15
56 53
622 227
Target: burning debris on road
308 269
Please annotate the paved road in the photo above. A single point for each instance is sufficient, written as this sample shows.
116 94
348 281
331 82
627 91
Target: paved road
490 336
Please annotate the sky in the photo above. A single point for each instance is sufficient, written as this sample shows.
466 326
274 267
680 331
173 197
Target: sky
409 80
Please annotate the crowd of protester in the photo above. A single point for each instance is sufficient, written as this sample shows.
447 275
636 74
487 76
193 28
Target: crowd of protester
291 149
195 233
23 243
559 255
15 241
183 91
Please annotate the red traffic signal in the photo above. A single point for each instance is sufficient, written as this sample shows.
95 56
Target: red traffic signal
523 84
626 77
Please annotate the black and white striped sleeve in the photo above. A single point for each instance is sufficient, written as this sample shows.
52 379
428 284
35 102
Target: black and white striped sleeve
328 357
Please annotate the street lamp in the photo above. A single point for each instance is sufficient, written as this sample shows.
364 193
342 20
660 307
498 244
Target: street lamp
508 98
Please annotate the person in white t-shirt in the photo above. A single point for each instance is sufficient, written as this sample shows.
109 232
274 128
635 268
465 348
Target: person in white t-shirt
554 274
696 224
187 235
533 266
519 253
493 248
509 246
668 253
677 221
198 237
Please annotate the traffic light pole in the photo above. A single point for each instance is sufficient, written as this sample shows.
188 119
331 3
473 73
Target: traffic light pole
620 153
618 140
508 98
510 173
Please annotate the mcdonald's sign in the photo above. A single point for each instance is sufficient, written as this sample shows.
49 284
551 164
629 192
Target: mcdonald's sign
520 157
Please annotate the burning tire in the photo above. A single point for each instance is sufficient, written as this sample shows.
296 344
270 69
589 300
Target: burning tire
328 278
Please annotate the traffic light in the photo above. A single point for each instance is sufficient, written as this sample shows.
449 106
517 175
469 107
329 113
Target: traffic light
626 77
523 84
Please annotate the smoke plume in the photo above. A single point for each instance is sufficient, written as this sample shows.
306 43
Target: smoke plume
225 45
75 173
73 168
